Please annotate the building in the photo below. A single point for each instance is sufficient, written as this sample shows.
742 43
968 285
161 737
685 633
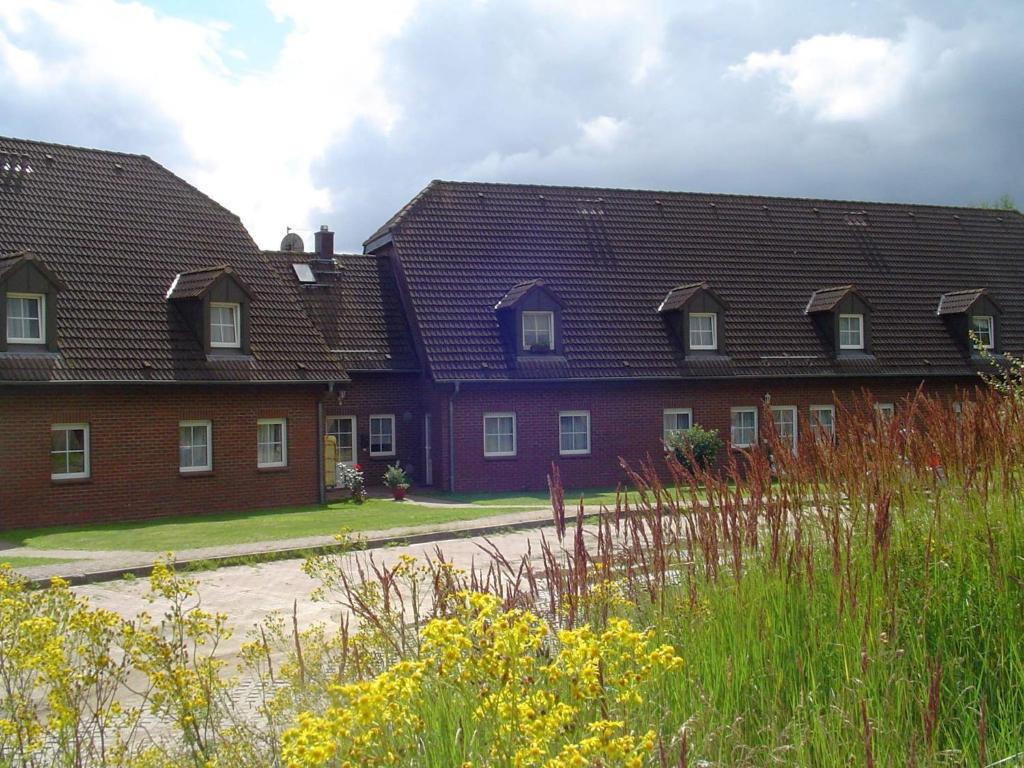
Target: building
577 326
152 362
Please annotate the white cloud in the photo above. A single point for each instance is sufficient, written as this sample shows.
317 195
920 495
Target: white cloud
602 132
836 77
253 140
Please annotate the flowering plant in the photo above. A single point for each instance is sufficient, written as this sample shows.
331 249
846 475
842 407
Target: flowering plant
350 476
396 477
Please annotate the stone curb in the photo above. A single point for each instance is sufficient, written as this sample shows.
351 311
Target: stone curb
286 553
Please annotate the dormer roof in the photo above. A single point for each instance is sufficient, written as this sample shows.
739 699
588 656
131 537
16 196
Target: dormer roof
961 302
196 283
13 261
520 291
827 299
681 295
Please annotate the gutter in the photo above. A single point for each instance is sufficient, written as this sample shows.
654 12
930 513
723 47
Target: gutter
451 437
718 377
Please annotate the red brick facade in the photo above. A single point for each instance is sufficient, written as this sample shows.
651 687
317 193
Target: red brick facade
626 421
134 451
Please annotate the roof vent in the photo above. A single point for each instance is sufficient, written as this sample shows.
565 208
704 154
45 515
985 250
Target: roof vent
292 243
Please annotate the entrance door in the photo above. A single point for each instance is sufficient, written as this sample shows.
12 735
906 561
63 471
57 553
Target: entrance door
428 464
343 429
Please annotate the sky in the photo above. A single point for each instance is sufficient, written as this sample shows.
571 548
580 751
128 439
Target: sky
297 113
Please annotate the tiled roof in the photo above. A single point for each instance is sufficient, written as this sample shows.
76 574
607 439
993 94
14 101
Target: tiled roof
613 256
195 283
356 304
955 302
116 229
678 296
516 293
826 299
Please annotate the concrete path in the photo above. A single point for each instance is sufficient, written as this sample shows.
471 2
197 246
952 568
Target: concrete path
249 593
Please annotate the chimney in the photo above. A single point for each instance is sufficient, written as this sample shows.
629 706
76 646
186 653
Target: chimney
324 240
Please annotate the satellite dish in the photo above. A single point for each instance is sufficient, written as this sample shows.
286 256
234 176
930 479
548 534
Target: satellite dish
292 242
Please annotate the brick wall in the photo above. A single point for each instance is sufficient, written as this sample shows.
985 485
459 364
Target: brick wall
626 421
385 393
134 451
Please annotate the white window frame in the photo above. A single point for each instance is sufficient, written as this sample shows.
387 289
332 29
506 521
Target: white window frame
394 435
575 451
688 412
991 322
41 338
86 444
515 440
732 428
796 420
237 310
208 467
860 334
284 443
816 425
885 410
550 316
354 421
714 331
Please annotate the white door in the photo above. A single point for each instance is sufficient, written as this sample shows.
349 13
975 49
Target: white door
428 464
343 429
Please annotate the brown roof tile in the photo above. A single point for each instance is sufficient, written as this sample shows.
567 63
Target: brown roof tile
613 255
116 229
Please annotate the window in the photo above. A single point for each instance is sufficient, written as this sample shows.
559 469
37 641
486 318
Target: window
702 331
851 331
885 410
271 443
499 434
382 435
225 325
784 417
538 330
823 420
195 447
69 451
675 420
343 429
574 432
983 327
25 318
743 431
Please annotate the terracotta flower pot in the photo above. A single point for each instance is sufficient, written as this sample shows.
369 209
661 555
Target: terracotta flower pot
398 493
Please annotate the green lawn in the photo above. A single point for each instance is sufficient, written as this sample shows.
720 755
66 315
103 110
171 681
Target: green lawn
25 562
178 533
594 496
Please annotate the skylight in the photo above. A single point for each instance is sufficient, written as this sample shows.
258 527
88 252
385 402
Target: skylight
304 273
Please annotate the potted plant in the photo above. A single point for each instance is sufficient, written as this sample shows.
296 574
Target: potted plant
397 480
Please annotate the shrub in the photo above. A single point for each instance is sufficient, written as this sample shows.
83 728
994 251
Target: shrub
396 477
351 477
695 447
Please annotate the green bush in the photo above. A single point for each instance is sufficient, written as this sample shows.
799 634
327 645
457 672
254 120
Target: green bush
701 444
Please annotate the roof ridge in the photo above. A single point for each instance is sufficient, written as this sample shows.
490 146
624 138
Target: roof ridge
77 147
716 195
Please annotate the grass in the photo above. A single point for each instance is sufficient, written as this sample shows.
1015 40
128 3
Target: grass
595 496
179 533
27 562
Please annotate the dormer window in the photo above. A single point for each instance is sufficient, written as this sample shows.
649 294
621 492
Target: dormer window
694 313
972 317
26 318
538 331
530 320
984 328
851 331
842 318
703 335
225 325
28 303
214 303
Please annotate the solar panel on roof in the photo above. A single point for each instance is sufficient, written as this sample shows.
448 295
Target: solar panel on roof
304 273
